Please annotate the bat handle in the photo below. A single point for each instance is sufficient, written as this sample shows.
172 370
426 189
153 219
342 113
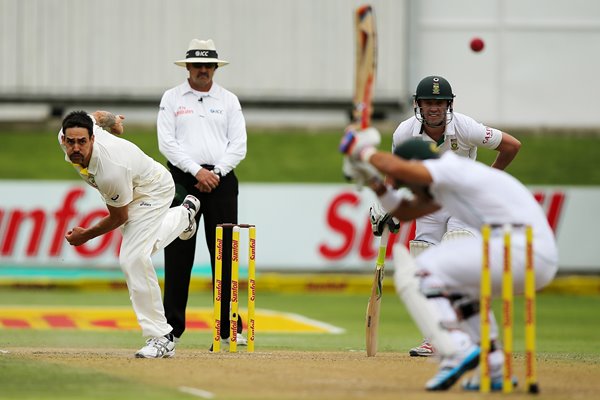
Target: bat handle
383 242
384 236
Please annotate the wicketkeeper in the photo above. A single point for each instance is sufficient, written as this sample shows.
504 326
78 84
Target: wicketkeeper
435 121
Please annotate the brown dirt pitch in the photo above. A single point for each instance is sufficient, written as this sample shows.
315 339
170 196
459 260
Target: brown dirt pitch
290 375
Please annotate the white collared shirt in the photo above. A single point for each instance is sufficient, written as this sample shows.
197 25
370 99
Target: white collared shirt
196 128
118 169
463 135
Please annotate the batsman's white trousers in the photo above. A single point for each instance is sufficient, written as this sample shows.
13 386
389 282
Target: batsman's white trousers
151 226
456 264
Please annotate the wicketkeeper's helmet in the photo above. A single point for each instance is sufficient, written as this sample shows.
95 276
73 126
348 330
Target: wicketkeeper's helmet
433 88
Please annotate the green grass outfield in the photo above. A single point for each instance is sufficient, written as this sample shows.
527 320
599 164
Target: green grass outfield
567 329
547 158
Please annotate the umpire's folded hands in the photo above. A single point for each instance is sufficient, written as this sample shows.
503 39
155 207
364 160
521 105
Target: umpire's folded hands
207 181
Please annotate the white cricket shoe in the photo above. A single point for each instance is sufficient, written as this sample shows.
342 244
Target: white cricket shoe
241 340
193 206
425 349
157 347
189 231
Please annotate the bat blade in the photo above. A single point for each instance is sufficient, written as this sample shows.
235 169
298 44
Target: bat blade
365 65
374 305
373 309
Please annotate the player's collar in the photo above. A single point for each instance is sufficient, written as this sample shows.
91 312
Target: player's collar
424 136
92 167
80 169
213 92
419 131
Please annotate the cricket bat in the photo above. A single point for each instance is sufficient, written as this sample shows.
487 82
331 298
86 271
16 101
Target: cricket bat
365 66
372 318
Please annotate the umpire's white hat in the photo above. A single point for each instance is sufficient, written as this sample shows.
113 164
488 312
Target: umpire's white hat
201 51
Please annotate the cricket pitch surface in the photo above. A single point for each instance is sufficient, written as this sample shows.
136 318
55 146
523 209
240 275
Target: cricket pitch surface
305 375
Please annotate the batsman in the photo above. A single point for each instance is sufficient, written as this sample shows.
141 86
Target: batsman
441 287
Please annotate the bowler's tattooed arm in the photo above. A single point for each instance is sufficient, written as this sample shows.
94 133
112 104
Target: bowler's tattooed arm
109 121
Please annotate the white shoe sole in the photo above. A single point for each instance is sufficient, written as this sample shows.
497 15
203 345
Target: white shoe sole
168 355
188 233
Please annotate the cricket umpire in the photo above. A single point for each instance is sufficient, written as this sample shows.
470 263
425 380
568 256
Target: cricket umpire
202 133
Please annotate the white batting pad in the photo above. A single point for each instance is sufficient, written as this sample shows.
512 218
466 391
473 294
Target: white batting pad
420 309
418 246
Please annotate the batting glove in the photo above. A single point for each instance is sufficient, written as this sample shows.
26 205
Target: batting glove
380 220
360 145
394 225
361 173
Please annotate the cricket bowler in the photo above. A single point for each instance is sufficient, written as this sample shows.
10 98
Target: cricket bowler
138 192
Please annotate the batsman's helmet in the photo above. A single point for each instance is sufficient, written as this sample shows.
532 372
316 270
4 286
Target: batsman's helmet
417 149
434 88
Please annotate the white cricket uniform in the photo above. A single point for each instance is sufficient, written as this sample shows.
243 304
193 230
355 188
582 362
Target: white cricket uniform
463 135
125 176
478 194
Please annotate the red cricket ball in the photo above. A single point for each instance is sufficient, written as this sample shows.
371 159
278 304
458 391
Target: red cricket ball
477 44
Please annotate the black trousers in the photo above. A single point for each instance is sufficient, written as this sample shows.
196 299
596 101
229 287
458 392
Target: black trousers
219 206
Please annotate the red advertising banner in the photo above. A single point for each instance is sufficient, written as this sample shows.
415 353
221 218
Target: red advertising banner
300 227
